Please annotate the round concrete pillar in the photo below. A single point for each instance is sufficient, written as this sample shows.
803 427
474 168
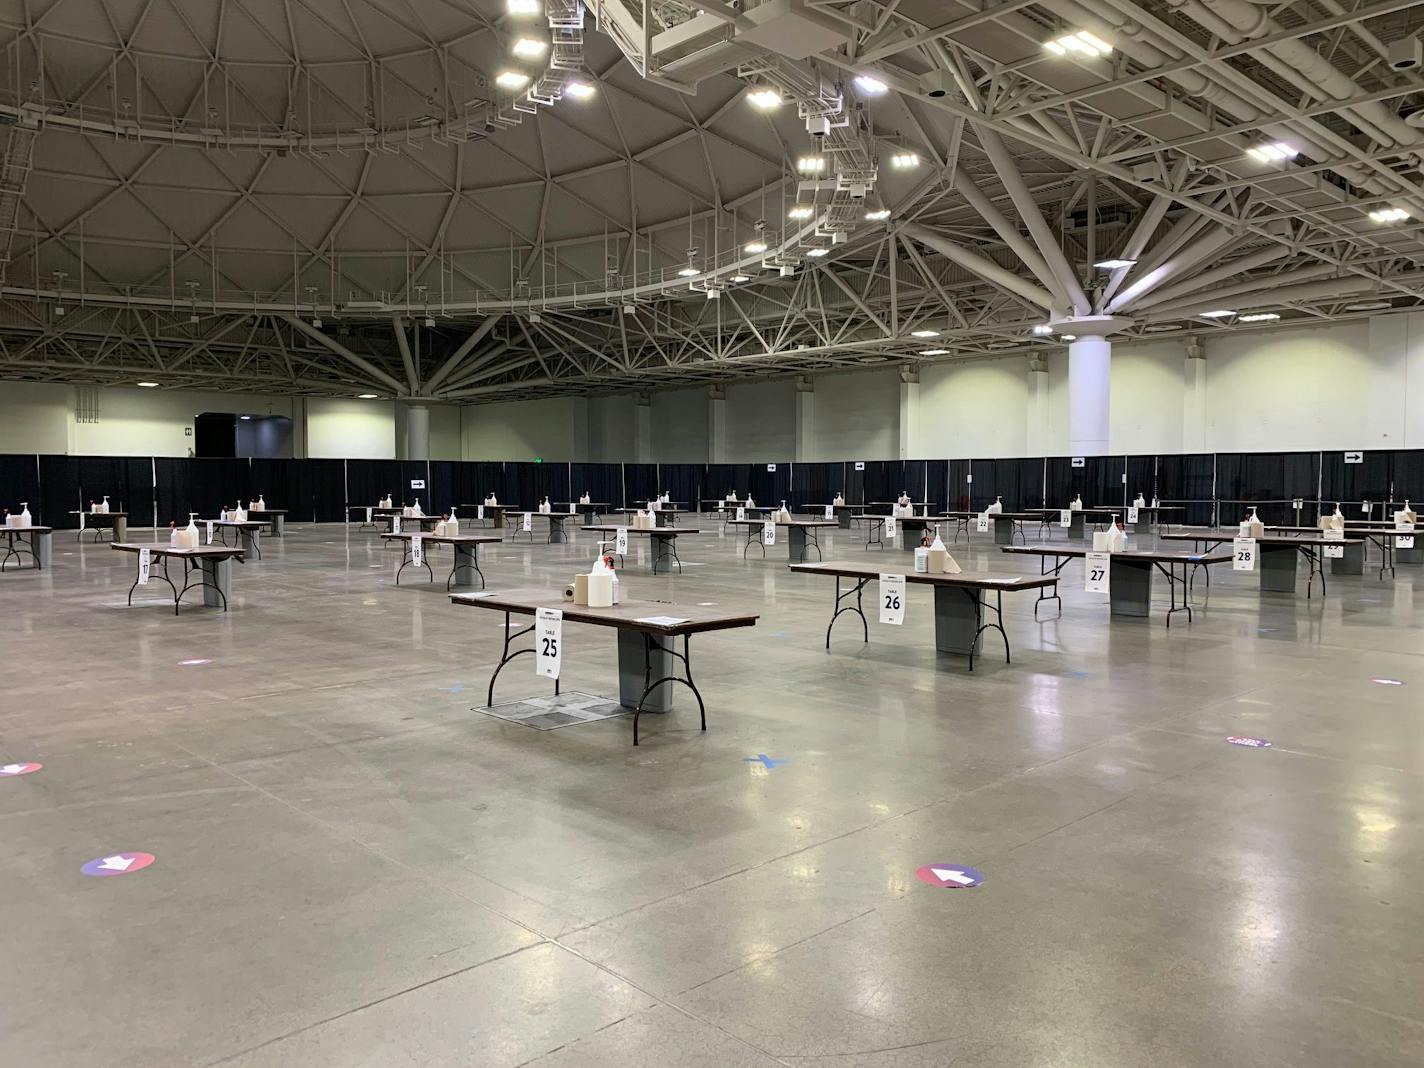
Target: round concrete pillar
417 432
1089 384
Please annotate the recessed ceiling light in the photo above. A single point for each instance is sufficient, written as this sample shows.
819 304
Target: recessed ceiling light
766 99
689 272
1114 265
904 160
1220 313
529 47
149 385
868 84
1389 215
1042 329
811 164
1068 337
741 278
579 90
1081 43
924 333
935 352
1258 317
801 211
877 215
244 417
755 248
817 251
365 396
1275 152
522 7
1370 305
511 79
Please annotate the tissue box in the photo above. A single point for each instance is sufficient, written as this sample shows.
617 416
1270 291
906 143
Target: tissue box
581 589
922 560
1100 541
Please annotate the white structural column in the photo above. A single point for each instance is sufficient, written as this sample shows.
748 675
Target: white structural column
1036 443
643 429
805 419
1089 370
909 411
716 425
1194 398
417 432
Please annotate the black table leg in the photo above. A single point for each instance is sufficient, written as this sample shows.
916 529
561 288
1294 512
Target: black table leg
650 684
858 608
506 656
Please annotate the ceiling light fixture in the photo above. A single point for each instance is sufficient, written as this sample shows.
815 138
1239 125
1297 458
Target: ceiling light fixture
878 215
924 333
903 161
766 99
811 164
1389 215
1275 152
1081 43
529 47
511 79
1114 265
149 385
365 396
244 417
867 83
817 251
801 211
1042 329
741 278
1258 317
754 248
1220 313
579 90
1369 305
522 7
935 352
1069 337
689 272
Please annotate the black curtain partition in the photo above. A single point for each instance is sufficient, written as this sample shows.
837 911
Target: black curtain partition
1351 484
602 482
1188 480
203 485
683 482
475 479
20 484
816 484
1408 466
1141 478
1269 482
640 483
1098 481
958 486
884 480
367 481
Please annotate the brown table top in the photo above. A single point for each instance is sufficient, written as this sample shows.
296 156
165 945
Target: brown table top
447 539
608 528
1149 555
158 549
794 521
986 580
25 530
1269 539
624 616
125 515
420 518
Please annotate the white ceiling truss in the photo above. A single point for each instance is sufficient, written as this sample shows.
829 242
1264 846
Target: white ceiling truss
189 185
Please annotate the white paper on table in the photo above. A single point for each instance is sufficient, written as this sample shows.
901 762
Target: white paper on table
1132 513
620 541
981 522
417 551
1365 507
548 642
768 532
892 599
210 532
662 621
479 511
1095 573
890 528
145 558
741 512
1334 552
1065 517
527 524
830 511
1243 554
395 524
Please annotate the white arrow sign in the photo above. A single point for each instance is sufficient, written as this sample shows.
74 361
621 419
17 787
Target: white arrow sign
1354 457
116 863
952 876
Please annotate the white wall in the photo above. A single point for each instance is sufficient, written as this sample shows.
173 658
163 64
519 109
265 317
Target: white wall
761 422
610 428
351 428
857 416
521 430
35 417
975 409
680 426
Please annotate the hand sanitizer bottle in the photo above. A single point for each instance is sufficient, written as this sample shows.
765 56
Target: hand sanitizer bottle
25 519
173 534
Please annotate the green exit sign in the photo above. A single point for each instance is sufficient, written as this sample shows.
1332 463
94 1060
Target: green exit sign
538 459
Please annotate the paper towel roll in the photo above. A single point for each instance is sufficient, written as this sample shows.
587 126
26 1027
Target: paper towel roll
569 592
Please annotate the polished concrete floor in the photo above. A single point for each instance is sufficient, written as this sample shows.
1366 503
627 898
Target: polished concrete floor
355 869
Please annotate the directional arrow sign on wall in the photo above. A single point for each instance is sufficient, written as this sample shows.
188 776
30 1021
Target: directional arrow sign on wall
1354 457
